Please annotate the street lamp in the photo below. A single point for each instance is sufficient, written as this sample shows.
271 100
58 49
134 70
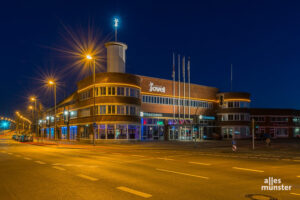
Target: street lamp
89 57
53 83
35 117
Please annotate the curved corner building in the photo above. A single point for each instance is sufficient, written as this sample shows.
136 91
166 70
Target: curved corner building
134 107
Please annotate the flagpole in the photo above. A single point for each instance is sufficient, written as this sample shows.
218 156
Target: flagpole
189 81
173 76
179 87
183 74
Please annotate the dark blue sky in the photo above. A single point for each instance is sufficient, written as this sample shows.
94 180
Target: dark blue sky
260 38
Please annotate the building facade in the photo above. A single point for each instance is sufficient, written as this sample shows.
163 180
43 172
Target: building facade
122 106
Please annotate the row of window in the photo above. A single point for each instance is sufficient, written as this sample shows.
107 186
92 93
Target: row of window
279 119
235 117
118 110
172 101
235 104
111 91
258 119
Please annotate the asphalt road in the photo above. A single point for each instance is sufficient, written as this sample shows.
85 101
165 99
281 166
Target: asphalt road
158 171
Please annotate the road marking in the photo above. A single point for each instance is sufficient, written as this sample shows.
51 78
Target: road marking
197 163
138 156
296 160
10 153
246 169
286 159
40 162
26 158
87 177
59 168
17 155
3 151
165 158
298 176
132 191
56 164
181 173
295 194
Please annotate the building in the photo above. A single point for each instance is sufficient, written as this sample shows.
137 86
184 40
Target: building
134 107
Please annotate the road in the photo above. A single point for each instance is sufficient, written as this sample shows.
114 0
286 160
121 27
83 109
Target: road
158 171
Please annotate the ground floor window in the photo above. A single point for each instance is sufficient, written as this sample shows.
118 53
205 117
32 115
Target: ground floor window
236 132
297 132
153 132
73 132
121 131
64 132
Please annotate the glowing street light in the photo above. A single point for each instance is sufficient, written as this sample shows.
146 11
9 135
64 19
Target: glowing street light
89 57
53 83
35 115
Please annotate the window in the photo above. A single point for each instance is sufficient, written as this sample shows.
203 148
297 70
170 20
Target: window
236 117
84 95
120 91
111 109
102 91
102 110
236 104
111 91
242 117
127 110
230 117
120 110
230 104
132 92
132 110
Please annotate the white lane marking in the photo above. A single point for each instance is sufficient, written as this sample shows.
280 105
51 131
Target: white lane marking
286 159
296 160
56 164
295 194
26 158
87 177
3 151
181 173
298 176
197 163
40 162
138 156
59 168
135 192
246 169
165 158
10 153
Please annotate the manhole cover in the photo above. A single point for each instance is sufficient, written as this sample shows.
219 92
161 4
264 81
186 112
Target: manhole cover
260 197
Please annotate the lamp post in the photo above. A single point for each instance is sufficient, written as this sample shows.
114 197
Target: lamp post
31 109
52 83
35 117
89 57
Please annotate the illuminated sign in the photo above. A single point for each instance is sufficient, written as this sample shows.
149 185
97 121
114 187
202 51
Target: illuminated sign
156 88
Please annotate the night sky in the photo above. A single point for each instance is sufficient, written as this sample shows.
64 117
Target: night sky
260 38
